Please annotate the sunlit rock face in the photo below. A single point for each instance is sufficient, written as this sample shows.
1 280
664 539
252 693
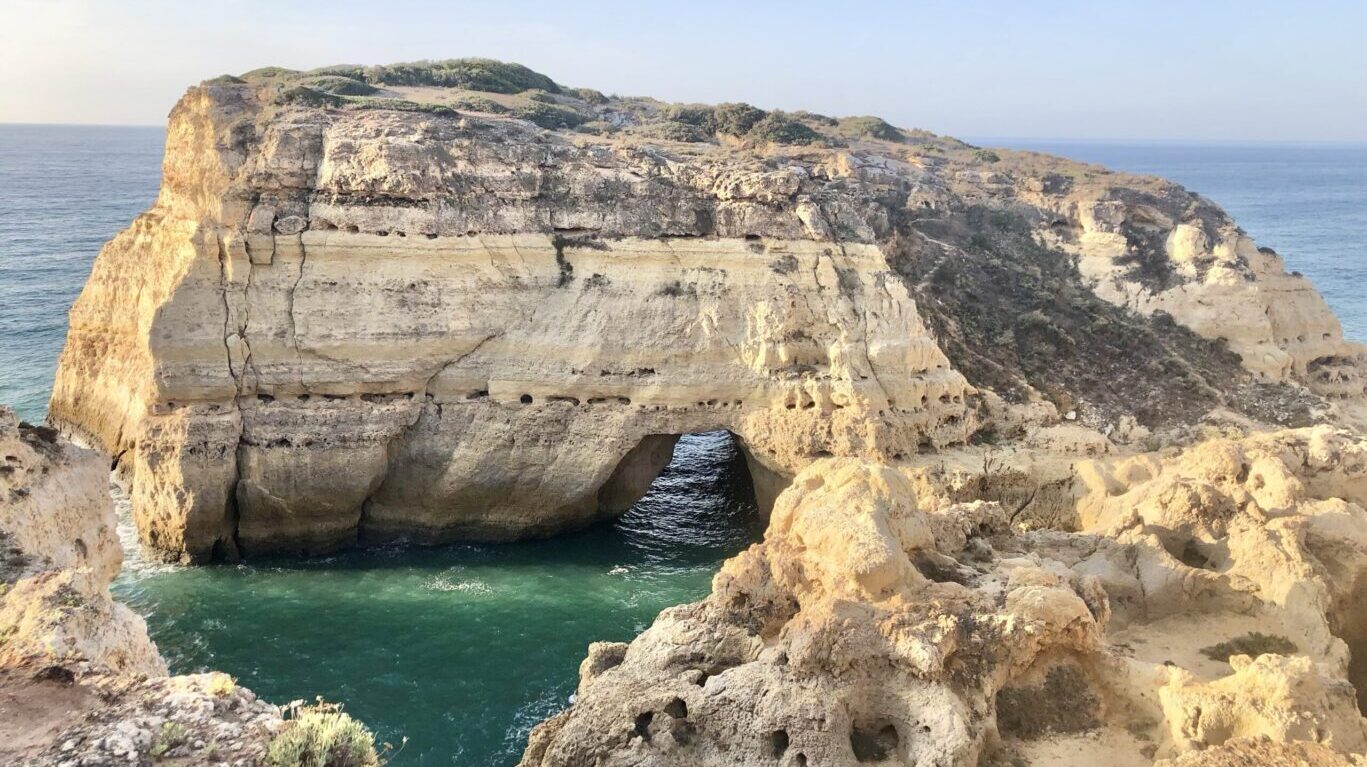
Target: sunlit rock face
344 325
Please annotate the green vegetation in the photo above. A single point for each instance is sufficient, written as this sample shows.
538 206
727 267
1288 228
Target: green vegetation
338 85
322 735
985 155
225 80
472 103
550 116
173 735
470 74
868 126
402 105
588 95
735 119
779 128
1252 644
265 73
308 97
696 122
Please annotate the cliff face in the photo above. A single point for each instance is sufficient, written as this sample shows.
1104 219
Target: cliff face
342 323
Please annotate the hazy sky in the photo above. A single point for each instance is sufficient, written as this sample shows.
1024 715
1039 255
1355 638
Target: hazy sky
1201 69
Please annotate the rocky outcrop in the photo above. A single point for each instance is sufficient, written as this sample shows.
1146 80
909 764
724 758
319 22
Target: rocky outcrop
80 681
1207 602
351 320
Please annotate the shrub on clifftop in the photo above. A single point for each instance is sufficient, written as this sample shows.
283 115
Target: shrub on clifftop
471 74
322 736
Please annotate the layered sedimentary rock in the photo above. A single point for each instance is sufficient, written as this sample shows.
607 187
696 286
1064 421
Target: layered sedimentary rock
355 320
80 681
1210 601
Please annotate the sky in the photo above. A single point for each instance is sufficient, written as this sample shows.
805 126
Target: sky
1148 70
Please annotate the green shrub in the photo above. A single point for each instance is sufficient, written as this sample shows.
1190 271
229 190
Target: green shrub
696 115
338 85
735 119
473 103
322 736
1252 644
868 126
550 116
471 74
225 80
402 105
308 97
779 128
985 155
589 95
677 131
269 72
350 71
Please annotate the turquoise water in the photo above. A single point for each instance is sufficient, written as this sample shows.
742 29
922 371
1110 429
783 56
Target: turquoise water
463 648
460 648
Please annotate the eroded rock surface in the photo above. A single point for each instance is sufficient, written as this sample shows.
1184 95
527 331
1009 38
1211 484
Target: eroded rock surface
81 684
876 624
353 320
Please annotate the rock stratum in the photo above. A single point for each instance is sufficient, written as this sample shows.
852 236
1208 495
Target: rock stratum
1063 468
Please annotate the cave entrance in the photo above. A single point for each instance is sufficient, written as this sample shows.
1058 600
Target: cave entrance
699 495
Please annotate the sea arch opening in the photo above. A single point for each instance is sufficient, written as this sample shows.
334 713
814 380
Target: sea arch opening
489 636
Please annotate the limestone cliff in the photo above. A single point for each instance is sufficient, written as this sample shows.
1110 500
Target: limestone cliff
482 306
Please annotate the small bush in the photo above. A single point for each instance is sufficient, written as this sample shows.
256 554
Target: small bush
172 736
322 735
779 128
225 80
338 85
677 131
471 74
696 115
868 126
309 97
589 95
473 103
265 73
1251 644
735 119
550 116
349 71
403 105
985 155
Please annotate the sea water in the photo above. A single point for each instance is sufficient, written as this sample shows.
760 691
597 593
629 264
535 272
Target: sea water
461 649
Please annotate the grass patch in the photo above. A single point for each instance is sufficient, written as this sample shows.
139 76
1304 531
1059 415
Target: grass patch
1252 644
225 80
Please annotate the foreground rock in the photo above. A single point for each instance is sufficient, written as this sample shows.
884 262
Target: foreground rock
1212 597
81 684
445 312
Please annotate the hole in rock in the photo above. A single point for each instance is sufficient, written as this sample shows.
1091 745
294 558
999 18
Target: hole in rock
1349 623
460 648
778 743
874 744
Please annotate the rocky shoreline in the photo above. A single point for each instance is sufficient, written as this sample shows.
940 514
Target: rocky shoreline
1064 469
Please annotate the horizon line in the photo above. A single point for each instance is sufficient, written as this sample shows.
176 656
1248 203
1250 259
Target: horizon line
981 140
